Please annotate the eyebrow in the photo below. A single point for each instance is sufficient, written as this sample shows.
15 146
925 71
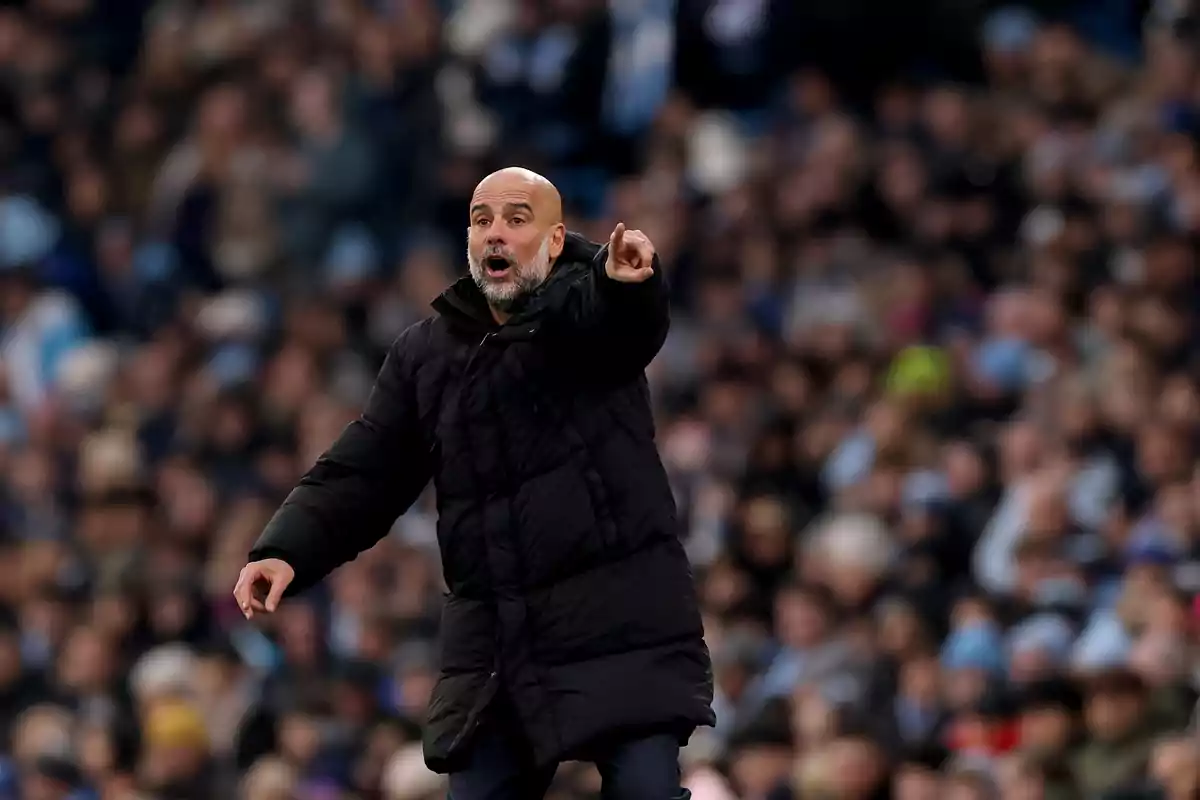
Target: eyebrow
508 208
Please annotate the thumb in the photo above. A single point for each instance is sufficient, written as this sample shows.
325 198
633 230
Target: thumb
279 584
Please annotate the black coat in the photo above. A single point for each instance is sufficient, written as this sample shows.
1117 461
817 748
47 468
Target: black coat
569 588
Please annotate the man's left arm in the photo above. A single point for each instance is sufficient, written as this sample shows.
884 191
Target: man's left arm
624 311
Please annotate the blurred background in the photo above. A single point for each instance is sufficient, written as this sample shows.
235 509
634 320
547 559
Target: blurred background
930 401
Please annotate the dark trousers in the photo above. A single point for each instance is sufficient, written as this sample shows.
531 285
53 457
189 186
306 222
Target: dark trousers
499 769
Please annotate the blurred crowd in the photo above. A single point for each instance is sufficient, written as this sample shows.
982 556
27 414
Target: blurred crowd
931 400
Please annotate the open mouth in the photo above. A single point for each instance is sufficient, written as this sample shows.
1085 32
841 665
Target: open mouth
496 266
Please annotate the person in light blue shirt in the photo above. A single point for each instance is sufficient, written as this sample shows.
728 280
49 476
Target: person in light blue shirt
38 329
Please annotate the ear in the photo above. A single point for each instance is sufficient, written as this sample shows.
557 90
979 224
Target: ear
558 237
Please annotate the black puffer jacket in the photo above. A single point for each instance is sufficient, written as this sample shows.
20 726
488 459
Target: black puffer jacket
569 589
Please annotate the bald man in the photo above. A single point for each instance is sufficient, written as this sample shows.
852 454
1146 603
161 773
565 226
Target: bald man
570 630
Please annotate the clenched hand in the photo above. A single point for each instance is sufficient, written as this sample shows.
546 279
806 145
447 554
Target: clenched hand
630 256
261 585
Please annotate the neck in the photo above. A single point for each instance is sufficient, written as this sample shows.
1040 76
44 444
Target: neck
500 316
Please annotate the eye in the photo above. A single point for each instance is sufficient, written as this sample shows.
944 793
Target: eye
482 222
517 221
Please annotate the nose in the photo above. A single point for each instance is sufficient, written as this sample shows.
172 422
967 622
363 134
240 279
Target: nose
495 236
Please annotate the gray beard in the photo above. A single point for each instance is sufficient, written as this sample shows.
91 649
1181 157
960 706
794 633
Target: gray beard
504 296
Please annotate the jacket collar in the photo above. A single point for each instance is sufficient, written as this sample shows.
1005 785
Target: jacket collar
464 306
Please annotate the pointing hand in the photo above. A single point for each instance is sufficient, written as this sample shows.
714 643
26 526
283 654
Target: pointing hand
630 256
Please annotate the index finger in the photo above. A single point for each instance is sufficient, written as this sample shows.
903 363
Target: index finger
243 590
618 237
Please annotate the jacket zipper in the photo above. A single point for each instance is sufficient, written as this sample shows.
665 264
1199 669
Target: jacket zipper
489 688
478 350
472 719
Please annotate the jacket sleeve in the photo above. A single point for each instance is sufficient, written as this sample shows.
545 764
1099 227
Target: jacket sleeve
616 329
371 474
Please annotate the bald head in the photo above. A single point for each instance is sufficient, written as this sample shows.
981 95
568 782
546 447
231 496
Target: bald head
541 193
515 236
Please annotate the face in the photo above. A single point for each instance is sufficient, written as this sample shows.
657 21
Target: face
300 738
1030 664
757 770
1160 659
96 751
85 665
858 770
1020 783
965 789
800 621
916 783
10 659
965 470
964 686
919 681
15 294
899 630
514 237
1176 764
1110 715
1045 729
813 719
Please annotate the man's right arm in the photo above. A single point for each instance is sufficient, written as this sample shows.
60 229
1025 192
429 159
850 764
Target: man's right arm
375 470
617 322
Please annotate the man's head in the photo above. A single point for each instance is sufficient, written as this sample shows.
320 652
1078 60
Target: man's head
917 774
1115 705
1048 716
516 234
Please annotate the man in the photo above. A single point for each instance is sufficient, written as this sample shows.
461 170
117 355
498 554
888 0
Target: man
571 629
